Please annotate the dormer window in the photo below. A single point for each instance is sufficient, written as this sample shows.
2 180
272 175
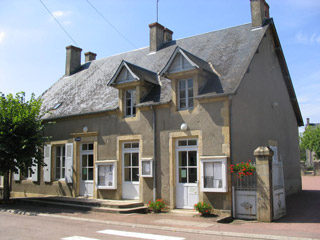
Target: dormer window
185 94
130 102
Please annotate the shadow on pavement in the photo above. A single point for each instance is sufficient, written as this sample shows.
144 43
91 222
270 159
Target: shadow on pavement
303 207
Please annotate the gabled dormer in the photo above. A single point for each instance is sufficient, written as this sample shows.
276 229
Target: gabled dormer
189 74
134 83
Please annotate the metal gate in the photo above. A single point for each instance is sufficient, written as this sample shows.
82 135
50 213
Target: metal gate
278 189
245 197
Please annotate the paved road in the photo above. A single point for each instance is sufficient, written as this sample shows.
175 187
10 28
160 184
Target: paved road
14 226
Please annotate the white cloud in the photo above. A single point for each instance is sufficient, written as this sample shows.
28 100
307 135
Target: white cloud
308 39
58 14
2 36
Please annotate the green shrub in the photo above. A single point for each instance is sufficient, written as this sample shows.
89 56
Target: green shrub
203 208
157 206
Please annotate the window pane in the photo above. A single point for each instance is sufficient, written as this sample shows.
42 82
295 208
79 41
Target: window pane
182 94
101 175
182 159
135 159
90 177
190 92
58 162
58 151
84 160
217 170
128 111
134 111
127 161
192 142
84 173
127 145
57 173
182 143
135 145
127 174
190 83
63 151
190 102
63 161
84 147
182 103
90 146
182 84
192 175
135 174
90 162
128 94
63 172
182 175
192 158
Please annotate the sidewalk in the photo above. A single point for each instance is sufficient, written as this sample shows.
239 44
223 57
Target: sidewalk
302 220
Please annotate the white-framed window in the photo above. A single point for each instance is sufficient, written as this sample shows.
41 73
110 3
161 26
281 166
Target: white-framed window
106 175
185 94
131 161
60 160
147 167
130 102
213 172
87 161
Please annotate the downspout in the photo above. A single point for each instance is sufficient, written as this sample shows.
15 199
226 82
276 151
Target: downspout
154 154
231 158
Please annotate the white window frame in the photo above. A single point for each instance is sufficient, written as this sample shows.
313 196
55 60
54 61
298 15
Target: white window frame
114 171
55 163
133 102
214 159
186 95
130 150
150 160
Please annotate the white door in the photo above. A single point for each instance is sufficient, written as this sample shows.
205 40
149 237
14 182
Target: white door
86 161
130 170
187 193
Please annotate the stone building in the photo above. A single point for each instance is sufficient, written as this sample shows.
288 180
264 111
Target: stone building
167 120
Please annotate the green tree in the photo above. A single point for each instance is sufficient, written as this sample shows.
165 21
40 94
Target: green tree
310 139
21 136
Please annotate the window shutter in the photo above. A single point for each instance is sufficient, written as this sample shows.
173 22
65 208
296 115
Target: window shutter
47 161
16 176
34 175
69 162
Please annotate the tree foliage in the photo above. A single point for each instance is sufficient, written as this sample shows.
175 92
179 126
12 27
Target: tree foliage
310 139
21 135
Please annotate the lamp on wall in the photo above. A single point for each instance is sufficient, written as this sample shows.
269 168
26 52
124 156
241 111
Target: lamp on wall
85 129
184 127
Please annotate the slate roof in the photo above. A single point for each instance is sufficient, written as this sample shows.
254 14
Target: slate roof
230 52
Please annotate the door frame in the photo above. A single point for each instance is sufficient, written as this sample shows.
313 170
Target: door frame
187 149
130 150
86 152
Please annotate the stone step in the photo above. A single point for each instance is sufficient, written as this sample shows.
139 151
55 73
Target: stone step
107 206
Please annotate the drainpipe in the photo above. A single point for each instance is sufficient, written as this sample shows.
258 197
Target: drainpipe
231 157
154 154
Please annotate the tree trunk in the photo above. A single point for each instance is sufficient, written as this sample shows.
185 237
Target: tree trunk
6 185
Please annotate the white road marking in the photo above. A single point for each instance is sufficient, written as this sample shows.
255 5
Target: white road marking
139 235
78 238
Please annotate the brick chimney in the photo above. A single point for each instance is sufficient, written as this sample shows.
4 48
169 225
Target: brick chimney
73 59
158 35
259 12
90 56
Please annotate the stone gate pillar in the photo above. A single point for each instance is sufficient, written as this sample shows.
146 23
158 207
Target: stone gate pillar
263 157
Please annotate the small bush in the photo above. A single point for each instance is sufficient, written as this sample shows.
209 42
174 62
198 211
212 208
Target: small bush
157 206
203 208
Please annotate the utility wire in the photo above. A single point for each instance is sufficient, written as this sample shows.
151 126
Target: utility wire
66 32
121 34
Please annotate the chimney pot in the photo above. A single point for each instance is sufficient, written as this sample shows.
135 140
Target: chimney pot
90 56
73 59
259 12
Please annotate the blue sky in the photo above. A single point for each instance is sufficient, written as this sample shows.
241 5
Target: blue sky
32 45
